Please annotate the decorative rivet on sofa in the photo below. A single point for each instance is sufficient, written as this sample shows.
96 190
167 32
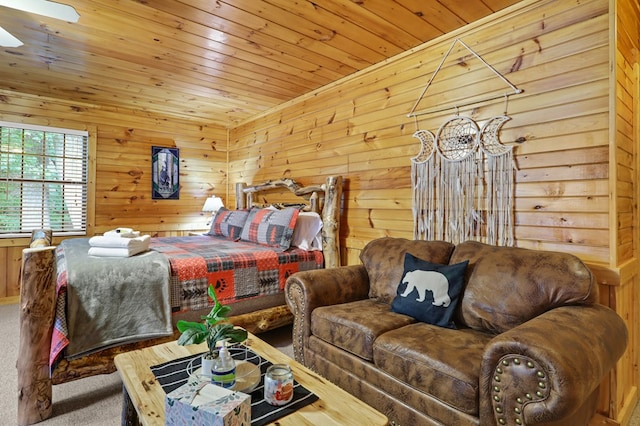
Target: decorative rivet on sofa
504 375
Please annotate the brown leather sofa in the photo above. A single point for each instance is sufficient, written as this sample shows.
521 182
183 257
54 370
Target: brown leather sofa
531 343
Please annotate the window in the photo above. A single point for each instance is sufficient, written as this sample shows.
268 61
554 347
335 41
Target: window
43 180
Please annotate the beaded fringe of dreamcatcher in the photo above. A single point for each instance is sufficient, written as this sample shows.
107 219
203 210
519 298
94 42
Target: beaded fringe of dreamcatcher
448 177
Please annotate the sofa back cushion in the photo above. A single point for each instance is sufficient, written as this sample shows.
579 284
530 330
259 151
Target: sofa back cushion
383 259
507 286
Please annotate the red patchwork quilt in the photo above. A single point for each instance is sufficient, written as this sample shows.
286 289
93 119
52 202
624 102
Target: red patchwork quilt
238 270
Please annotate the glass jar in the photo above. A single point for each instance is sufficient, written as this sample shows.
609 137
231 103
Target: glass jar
278 384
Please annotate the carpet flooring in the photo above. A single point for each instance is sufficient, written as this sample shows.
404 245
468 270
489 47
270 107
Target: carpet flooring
94 401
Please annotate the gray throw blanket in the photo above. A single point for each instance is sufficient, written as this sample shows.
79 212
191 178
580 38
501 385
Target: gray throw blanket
111 301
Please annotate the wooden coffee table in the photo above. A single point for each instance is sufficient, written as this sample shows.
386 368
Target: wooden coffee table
144 394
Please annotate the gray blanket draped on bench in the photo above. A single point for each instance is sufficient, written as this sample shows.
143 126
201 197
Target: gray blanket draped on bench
111 301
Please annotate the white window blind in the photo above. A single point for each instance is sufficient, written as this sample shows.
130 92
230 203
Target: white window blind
43 180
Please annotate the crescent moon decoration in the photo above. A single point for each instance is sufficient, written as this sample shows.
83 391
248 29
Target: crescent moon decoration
424 172
457 194
499 178
427 145
489 136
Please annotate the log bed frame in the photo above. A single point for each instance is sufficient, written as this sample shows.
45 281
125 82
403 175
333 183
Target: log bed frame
38 294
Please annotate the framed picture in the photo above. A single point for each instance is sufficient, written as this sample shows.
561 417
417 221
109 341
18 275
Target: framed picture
165 173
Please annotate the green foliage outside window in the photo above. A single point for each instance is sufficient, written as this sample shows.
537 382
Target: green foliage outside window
43 180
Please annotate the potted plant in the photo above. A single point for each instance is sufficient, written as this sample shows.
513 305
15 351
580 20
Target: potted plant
215 327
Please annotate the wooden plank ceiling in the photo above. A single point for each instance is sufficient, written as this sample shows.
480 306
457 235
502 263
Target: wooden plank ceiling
215 61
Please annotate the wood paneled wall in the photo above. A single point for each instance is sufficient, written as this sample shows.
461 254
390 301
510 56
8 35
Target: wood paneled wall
556 52
575 190
123 169
625 166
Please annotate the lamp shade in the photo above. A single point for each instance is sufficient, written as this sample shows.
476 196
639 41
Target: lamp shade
212 204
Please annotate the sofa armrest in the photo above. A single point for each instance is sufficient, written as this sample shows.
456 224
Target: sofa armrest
547 368
305 291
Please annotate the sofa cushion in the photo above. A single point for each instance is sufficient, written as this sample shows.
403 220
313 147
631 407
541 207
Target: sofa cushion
383 259
429 292
441 362
507 286
354 326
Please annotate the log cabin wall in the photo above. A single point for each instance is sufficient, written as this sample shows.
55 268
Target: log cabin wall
557 52
624 178
123 170
575 142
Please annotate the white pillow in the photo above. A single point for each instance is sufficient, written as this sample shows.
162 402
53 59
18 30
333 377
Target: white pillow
306 234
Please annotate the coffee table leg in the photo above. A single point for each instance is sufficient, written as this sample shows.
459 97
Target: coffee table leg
129 413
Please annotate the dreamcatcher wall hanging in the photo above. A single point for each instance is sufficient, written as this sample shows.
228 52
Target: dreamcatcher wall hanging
462 178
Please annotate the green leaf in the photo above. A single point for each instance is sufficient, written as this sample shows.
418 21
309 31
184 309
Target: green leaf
183 325
212 294
237 335
192 336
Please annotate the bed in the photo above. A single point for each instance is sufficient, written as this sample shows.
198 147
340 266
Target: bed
255 306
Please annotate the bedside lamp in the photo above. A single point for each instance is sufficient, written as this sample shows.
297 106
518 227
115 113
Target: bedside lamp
212 204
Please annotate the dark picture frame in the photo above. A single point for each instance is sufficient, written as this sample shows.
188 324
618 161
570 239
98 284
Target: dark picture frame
165 172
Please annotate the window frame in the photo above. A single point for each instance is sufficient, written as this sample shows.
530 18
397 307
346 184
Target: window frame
88 184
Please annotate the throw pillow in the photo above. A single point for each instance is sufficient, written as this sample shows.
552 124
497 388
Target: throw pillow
429 292
269 227
306 234
228 223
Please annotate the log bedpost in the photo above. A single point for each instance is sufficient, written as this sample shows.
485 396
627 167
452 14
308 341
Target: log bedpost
37 310
240 197
331 219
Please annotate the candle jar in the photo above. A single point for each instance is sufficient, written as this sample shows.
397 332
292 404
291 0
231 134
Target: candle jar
278 384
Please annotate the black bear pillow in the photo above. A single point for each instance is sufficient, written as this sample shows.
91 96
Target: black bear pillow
429 292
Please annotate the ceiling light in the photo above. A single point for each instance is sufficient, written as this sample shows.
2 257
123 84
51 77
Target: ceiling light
44 8
39 7
7 40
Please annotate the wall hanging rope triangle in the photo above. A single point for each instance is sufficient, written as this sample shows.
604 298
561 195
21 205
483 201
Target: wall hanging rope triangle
514 89
458 194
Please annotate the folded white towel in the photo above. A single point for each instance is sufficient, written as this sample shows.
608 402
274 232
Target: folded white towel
122 233
138 243
115 252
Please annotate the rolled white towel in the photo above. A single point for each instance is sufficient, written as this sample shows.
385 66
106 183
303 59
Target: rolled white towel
116 242
115 252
